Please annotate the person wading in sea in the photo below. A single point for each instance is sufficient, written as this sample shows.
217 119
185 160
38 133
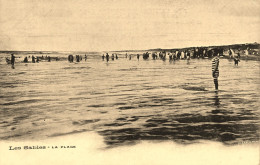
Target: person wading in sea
236 60
107 57
70 58
112 57
12 59
215 70
33 59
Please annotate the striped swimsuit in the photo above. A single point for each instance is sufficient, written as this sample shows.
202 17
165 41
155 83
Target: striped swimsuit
215 63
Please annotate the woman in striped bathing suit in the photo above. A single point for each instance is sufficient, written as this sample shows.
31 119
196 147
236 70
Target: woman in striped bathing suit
215 71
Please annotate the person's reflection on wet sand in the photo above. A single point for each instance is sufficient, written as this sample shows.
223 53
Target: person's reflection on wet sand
216 103
216 98
188 62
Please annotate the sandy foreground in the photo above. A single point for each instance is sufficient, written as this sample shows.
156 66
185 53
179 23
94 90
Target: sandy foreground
88 148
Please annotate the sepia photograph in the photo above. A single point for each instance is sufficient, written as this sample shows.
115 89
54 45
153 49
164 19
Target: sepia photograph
121 82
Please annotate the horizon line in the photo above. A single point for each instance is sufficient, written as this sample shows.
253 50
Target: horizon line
122 50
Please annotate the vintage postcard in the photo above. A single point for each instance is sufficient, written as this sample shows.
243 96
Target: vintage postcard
144 82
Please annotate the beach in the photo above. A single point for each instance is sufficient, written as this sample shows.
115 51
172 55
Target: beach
144 82
128 101
128 111
89 150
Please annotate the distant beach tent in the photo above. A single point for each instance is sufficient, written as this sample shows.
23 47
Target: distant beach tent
232 53
246 52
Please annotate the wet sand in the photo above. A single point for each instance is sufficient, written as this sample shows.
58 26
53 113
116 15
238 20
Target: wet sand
127 102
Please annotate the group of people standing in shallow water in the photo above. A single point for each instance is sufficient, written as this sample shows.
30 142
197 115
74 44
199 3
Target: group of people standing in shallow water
163 55
113 57
187 55
33 59
173 54
37 59
77 57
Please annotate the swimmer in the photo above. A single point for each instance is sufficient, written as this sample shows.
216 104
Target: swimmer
107 57
12 59
215 70
236 60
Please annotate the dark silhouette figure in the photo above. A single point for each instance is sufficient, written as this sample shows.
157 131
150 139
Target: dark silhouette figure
146 56
238 55
112 57
154 56
12 59
107 57
77 58
215 70
170 57
70 58
236 60
179 55
25 60
33 59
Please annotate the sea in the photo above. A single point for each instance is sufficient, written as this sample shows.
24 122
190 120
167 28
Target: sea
129 101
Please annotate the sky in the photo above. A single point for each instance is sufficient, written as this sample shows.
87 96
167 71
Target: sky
104 25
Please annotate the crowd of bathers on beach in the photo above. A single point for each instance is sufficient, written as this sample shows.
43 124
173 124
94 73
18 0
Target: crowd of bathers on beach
171 55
